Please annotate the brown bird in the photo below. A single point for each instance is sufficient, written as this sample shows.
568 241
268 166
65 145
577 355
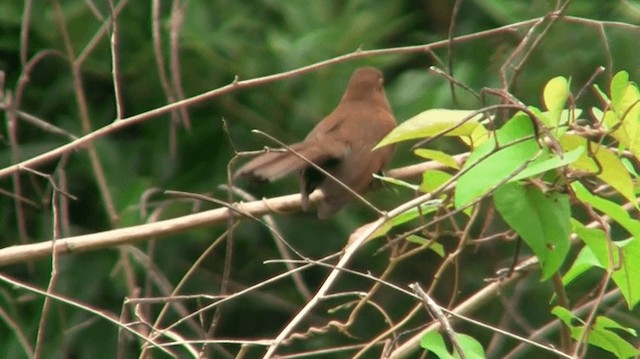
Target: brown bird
341 144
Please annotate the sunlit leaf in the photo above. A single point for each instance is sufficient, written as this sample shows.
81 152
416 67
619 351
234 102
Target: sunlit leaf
611 170
485 169
625 103
555 95
619 85
438 156
432 123
431 180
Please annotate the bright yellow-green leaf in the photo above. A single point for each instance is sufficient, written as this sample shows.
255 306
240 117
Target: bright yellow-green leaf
610 121
615 174
625 113
477 137
432 123
438 156
555 96
619 84
433 179
601 93
612 171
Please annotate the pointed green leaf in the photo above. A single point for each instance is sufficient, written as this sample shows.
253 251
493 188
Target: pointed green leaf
407 216
438 156
625 268
434 246
545 164
542 220
599 334
601 93
470 346
397 182
563 314
486 167
614 173
584 262
432 123
612 209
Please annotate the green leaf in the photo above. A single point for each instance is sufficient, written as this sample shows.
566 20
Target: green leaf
627 277
606 322
438 156
599 334
431 180
601 93
597 248
555 96
434 246
619 85
564 314
585 261
546 164
543 222
407 216
612 209
615 174
485 169
397 182
611 170
435 343
625 102
432 123
625 268
628 165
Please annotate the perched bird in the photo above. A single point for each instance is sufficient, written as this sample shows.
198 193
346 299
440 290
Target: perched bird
341 144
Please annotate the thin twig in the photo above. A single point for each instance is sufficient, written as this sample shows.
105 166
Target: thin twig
436 312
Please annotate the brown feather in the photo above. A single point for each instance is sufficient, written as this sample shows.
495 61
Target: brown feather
341 144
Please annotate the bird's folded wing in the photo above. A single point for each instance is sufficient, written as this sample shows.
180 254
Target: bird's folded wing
274 165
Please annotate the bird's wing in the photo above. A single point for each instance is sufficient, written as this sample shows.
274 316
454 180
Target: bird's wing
274 165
